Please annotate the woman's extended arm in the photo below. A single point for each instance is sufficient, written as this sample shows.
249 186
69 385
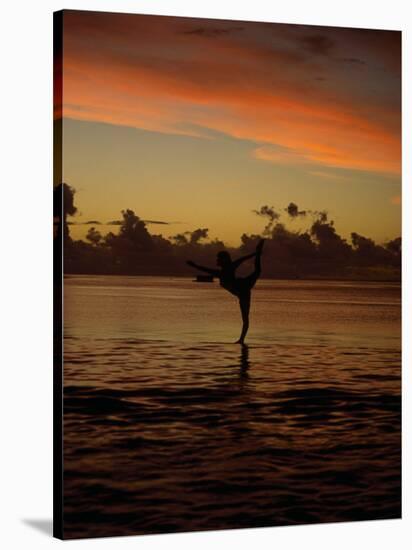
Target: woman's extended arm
214 272
239 261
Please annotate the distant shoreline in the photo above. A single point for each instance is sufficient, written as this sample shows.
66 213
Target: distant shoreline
297 279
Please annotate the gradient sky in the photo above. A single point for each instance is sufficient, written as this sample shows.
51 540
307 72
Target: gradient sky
197 122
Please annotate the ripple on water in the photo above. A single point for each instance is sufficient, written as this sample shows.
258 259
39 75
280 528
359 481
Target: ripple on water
175 436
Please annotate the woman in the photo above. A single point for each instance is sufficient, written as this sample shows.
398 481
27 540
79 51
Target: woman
239 286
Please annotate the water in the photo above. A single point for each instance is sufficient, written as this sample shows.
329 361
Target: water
169 426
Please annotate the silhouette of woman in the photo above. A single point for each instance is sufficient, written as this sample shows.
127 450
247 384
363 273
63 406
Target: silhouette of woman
241 287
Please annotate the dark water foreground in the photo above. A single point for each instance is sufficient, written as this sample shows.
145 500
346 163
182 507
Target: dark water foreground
166 435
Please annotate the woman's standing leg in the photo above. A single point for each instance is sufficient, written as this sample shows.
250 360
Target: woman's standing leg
244 302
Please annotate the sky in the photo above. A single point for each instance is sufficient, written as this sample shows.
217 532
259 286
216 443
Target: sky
196 123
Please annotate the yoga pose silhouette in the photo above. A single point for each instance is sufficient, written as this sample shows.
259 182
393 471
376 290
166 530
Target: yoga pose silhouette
241 287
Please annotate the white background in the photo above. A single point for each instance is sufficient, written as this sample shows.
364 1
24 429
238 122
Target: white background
26 271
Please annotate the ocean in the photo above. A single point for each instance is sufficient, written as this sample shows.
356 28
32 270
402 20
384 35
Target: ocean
170 426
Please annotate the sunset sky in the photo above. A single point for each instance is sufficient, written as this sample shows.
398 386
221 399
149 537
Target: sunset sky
197 122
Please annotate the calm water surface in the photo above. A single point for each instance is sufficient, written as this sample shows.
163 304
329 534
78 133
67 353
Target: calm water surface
169 426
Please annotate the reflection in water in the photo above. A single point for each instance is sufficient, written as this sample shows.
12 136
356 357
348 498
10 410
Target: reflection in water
244 358
184 431
244 361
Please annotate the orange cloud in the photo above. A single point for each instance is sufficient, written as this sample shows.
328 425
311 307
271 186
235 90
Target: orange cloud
252 84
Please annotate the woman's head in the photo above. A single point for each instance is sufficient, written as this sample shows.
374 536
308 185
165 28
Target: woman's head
223 258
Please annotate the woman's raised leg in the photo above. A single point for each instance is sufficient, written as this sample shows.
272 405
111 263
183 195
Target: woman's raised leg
251 279
258 266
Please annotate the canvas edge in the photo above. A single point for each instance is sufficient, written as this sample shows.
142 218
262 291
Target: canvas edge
58 530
